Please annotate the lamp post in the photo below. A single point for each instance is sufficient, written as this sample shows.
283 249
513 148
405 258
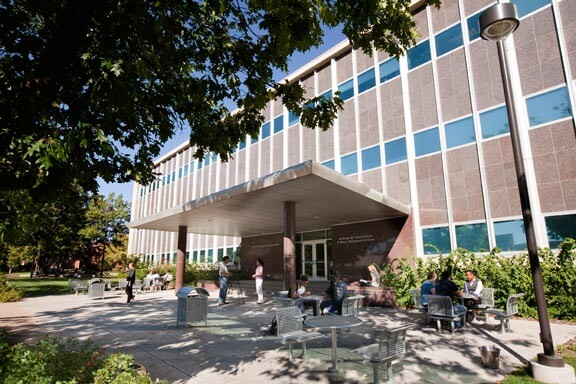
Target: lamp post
496 24
107 211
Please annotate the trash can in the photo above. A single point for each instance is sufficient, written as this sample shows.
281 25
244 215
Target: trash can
192 306
490 357
96 288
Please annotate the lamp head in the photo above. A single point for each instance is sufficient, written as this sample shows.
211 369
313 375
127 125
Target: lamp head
499 21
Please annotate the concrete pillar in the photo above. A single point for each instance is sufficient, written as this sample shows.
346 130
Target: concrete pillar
180 257
289 246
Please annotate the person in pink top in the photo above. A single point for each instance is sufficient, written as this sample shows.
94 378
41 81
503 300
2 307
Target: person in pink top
258 276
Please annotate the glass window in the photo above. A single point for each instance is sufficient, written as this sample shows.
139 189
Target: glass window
241 145
207 160
293 118
448 40
395 150
346 90
185 169
459 132
327 95
525 7
474 26
200 164
202 257
316 235
473 237
510 235
560 228
192 166
173 176
427 142
419 54
220 254
436 240
494 122
329 164
230 252
210 256
266 130
371 158
278 123
366 80
389 69
195 256
349 164
548 106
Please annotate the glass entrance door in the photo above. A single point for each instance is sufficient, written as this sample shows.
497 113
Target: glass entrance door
314 259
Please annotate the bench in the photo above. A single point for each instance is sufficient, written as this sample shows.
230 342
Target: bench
390 346
505 315
441 308
77 286
289 328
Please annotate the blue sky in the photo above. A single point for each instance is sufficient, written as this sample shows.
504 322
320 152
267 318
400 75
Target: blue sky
298 60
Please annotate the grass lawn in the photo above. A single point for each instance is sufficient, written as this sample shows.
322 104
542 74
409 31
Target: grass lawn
523 376
43 286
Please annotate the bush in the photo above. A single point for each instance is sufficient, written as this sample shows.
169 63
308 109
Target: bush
8 293
508 274
55 360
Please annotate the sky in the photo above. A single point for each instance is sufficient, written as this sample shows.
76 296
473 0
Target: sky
331 38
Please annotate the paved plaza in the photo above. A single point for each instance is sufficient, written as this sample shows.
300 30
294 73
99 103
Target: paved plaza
233 348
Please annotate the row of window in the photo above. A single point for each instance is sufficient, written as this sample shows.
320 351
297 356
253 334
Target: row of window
509 235
452 38
198 256
543 108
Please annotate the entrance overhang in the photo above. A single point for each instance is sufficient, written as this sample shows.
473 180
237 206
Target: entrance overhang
322 197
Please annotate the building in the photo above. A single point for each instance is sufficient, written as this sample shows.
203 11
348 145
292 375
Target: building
418 162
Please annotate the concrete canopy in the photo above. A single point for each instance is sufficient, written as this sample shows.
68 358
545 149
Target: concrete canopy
322 198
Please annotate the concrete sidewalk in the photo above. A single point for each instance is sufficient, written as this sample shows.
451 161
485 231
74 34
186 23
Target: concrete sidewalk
233 348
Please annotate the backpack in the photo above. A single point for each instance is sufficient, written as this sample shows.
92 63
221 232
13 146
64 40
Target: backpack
273 330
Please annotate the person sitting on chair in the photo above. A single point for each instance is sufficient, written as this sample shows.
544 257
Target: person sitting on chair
428 287
473 286
446 287
333 295
374 277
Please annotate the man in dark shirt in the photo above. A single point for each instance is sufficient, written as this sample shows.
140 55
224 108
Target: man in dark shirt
446 287
131 278
334 294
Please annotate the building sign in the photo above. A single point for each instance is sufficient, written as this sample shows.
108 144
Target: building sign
355 239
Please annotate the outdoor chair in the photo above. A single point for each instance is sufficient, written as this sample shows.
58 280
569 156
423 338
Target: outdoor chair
289 328
390 346
416 296
281 294
77 286
505 315
486 302
284 302
122 285
441 308
351 305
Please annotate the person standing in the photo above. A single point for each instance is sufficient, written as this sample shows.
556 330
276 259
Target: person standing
223 275
131 279
258 276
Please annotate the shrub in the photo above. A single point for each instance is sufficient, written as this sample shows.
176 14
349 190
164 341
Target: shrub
55 360
508 274
8 293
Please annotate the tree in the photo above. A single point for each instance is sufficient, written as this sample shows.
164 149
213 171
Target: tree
105 227
95 87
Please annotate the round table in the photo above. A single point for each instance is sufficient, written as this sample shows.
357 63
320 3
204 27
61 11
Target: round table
333 323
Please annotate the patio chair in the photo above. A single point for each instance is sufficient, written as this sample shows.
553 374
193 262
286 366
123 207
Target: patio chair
351 305
415 292
440 308
486 302
284 302
289 328
390 346
505 315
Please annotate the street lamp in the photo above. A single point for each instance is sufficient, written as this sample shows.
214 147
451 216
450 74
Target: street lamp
107 211
496 24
